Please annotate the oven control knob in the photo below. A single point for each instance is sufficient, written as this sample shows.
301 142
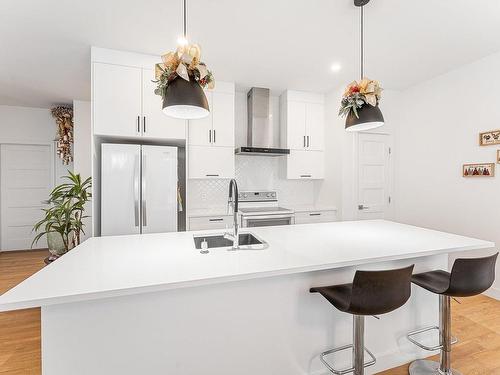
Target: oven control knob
273 195
245 195
268 195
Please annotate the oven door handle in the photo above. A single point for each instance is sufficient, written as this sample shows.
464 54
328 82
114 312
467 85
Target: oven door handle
268 217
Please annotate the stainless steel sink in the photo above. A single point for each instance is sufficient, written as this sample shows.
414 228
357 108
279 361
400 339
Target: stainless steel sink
247 241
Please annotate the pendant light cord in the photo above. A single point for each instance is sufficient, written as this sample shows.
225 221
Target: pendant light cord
362 42
185 19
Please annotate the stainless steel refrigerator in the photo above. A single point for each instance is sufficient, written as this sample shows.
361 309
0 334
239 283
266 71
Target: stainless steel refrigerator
138 189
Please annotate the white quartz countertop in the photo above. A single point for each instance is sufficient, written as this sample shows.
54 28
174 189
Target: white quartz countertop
105 267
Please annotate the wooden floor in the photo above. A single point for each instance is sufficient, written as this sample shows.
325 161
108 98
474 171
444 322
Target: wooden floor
476 322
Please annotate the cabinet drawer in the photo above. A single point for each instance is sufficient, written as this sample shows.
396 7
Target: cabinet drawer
210 222
315 217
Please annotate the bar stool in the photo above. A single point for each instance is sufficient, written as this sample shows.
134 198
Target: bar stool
468 277
371 293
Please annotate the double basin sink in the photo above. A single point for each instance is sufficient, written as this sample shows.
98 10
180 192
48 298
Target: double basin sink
247 241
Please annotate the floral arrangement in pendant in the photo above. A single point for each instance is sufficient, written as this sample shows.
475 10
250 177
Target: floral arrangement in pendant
184 63
358 94
64 120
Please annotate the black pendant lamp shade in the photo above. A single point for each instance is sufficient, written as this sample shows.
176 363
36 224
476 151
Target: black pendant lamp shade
370 117
185 100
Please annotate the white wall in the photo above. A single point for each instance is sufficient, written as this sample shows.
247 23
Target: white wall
82 151
30 125
438 132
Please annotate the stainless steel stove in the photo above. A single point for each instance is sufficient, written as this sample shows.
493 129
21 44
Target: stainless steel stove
261 208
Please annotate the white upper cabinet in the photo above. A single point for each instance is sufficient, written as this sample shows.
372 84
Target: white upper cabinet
223 119
303 120
302 131
155 124
211 139
117 100
315 126
217 129
125 104
200 131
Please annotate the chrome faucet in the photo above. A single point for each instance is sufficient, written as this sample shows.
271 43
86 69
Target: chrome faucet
233 203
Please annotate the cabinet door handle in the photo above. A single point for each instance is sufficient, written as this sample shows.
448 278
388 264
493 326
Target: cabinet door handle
212 175
214 137
216 219
304 141
307 141
315 214
138 124
305 175
144 124
209 136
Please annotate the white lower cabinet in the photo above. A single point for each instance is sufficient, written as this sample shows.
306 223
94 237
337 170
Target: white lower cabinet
305 165
211 162
315 217
210 222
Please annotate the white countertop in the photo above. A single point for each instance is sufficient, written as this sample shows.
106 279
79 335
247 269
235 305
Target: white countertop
104 267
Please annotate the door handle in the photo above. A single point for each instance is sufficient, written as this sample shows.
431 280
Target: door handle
362 207
307 141
143 192
138 124
210 136
136 191
212 175
144 124
304 141
214 137
305 175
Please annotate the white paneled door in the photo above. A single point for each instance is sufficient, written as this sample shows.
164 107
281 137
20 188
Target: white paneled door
26 174
374 176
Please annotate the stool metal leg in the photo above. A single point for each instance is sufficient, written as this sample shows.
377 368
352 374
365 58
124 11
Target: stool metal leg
425 367
359 345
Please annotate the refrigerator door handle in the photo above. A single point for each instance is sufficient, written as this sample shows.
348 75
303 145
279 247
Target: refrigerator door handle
143 191
136 191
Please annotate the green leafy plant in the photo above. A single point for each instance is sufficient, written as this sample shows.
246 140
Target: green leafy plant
65 213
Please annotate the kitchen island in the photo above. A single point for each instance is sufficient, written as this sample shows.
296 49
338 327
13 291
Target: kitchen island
153 304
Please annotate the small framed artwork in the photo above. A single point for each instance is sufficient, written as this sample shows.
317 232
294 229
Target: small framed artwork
479 170
489 138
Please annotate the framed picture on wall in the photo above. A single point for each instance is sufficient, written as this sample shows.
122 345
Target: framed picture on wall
489 138
479 170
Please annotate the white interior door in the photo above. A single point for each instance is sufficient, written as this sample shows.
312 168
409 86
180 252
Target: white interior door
26 181
374 176
120 189
159 189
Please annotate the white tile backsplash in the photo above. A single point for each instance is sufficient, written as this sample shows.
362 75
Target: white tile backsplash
252 173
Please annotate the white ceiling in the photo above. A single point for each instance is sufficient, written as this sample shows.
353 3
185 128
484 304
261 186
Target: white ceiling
271 43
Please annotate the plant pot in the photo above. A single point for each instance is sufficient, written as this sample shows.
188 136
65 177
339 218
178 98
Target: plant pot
55 244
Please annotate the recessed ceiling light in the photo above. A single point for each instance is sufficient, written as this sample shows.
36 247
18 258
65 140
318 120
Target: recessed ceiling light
335 67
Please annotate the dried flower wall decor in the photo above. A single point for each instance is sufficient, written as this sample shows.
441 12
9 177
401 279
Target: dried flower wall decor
64 121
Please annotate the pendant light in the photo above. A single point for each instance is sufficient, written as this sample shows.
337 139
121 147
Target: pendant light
368 116
185 99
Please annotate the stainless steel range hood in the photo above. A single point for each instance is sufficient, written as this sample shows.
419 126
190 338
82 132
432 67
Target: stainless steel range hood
262 137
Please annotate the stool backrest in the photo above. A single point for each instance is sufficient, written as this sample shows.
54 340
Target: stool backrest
472 276
379 292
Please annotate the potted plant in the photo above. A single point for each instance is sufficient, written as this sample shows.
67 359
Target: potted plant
63 220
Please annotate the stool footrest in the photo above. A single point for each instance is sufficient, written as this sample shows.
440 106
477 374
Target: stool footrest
371 362
410 335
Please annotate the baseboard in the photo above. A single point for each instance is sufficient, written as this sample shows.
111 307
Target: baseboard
493 293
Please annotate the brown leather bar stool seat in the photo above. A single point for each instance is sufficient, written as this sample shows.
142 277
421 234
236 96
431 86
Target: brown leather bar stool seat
371 293
468 277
